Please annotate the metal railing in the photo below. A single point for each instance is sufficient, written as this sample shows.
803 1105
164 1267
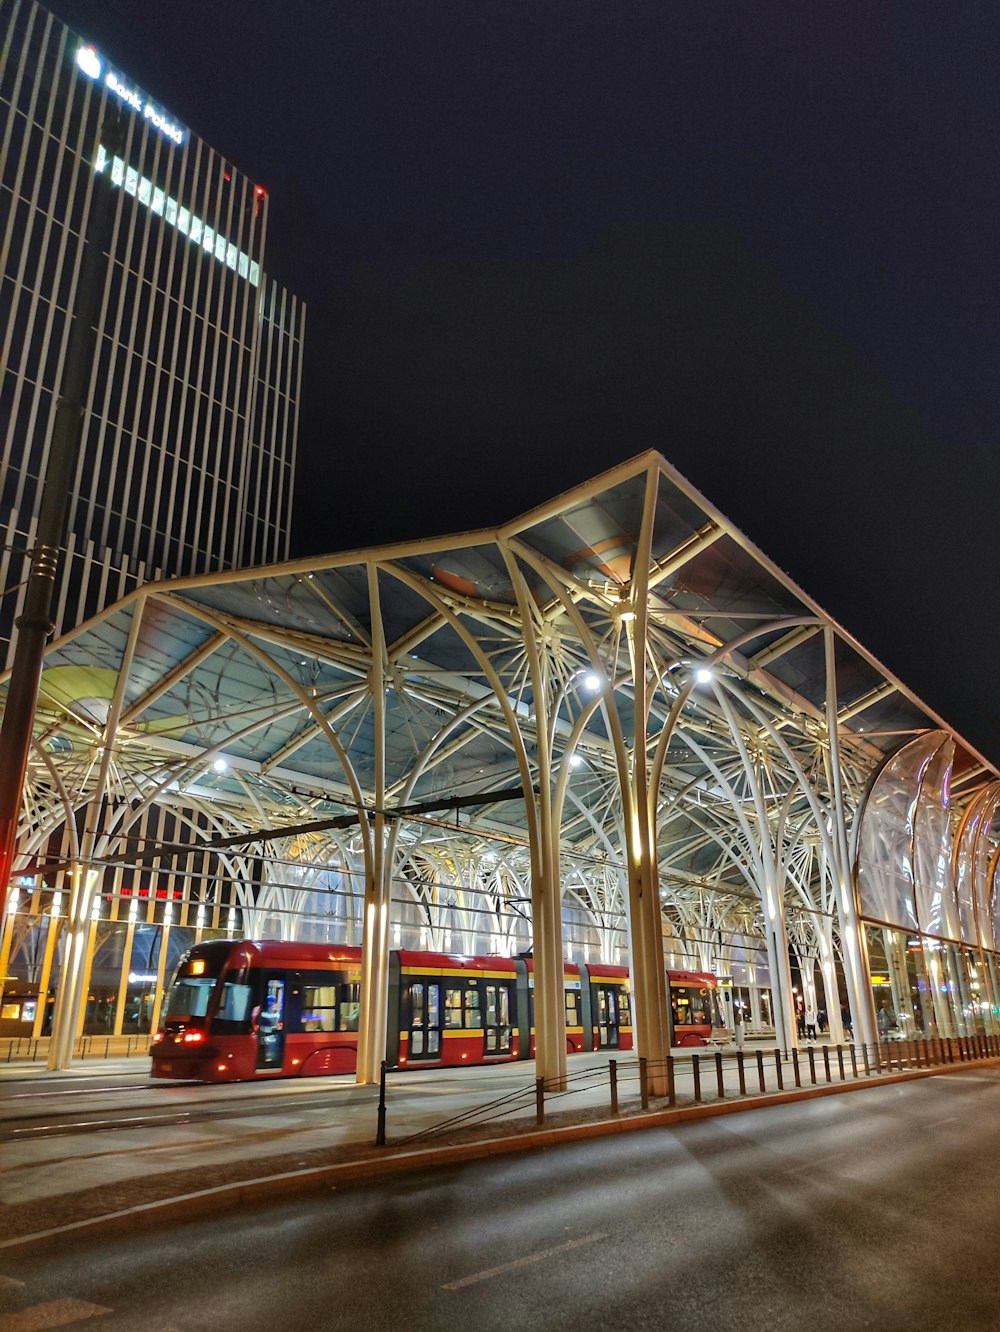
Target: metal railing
35 1049
706 1076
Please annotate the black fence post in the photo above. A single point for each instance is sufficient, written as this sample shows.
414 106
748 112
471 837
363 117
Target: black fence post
777 1069
826 1062
380 1131
760 1072
671 1085
742 1072
643 1083
812 1065
795 1066
613 1072
539 1101
854 1061
696 1075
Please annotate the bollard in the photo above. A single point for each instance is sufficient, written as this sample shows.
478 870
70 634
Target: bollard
380 1130
539 1101
671 1087
613 1071
826 1062
643 1083
868 1067
840 1061
777 1069
696 1075
854 1061
795 1066
719 1083
760 1071
812 1065
742 1072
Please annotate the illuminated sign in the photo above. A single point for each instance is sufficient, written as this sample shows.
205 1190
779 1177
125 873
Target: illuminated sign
197 231
90 63
142 978
880 980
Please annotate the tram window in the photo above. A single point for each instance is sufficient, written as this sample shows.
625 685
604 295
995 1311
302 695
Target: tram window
350 1006
573 1018
624 1002
233 1016
189 998
319 1007
472 1009
453 1008
497 1005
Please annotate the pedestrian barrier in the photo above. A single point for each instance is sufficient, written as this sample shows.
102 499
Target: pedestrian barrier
35 1049
630 1082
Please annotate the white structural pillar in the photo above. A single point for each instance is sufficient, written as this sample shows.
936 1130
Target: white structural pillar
546 913
856 972
648 972
375 925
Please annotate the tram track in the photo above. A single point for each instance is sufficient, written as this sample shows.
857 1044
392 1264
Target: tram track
20 1128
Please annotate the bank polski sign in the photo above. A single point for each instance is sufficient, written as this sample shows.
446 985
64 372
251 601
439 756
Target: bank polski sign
91 64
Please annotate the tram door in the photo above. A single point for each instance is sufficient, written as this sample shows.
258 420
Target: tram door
497 1020
608 1016
425 1020
271 1025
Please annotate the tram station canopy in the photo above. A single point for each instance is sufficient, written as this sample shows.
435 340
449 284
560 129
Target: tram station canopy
620 655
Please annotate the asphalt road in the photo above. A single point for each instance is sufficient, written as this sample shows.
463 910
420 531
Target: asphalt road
877 1210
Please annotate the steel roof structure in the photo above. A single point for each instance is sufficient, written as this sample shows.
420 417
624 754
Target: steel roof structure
617 694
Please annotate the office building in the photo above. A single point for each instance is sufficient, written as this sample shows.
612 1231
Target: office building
187 462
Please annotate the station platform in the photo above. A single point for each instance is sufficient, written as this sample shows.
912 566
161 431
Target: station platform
103 1145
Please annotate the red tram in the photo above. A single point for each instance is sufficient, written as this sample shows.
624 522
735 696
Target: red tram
258 1009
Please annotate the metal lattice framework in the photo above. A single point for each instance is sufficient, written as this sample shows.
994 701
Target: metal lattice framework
611 725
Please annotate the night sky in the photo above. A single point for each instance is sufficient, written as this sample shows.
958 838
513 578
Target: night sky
538 238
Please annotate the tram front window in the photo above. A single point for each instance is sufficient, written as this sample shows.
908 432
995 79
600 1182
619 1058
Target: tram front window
189 998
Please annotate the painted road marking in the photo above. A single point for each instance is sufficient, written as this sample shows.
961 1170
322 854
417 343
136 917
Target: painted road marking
538 1257
56 1313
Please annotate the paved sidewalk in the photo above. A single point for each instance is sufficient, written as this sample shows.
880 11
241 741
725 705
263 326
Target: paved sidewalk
212 1148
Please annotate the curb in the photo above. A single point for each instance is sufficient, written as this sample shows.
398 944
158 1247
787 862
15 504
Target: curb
314 1178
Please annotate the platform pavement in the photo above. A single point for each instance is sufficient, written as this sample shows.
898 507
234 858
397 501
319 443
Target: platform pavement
54 1186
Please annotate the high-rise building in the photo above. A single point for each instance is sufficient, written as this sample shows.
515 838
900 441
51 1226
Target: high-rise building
188 456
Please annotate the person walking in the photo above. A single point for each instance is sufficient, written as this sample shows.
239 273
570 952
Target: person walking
810 1022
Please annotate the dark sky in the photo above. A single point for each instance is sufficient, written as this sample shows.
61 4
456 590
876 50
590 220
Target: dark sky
538 238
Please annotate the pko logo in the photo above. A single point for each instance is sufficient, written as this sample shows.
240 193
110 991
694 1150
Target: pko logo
89 61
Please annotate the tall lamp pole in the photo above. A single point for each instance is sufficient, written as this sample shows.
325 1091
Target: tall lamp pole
34 625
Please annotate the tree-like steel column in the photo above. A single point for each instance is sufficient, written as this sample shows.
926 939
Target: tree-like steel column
375 926
649 977
546 886
85 880
856 970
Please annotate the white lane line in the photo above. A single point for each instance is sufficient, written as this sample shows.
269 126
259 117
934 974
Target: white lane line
538 1257
56 1313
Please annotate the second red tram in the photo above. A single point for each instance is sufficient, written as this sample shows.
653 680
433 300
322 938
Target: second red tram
259 1009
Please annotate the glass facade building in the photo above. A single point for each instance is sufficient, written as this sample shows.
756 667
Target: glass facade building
188 456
